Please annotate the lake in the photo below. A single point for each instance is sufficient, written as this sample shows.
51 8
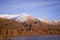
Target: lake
37 38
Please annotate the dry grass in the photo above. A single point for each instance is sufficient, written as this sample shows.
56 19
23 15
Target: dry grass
30 28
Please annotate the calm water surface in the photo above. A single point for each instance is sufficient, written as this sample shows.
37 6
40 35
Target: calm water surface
37 38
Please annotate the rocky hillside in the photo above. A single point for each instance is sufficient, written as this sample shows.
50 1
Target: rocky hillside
29 28
10 27
39 25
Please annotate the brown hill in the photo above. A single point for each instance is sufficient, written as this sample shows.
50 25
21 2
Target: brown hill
10 27
29 28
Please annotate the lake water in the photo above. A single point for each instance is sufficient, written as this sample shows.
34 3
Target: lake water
37 38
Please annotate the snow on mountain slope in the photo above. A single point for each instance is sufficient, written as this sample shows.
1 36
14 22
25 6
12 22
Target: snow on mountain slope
26 17
7 16
54 22
43 20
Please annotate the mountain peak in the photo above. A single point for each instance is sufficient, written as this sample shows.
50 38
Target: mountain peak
24 17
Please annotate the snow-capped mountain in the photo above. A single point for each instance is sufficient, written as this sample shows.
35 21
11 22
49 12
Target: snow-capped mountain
20 17
26 17
25 24
23 18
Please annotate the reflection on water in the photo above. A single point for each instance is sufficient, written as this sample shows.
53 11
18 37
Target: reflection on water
37 38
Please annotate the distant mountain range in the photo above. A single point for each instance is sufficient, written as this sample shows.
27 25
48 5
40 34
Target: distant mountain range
26 25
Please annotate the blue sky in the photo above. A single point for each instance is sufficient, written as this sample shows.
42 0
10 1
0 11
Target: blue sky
46 9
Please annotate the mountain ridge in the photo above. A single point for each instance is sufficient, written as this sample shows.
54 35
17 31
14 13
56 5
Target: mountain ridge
12 28
31 27
25 16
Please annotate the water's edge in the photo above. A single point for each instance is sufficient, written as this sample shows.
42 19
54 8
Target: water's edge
36 38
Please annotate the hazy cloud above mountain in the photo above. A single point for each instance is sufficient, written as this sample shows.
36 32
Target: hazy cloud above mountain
48 9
